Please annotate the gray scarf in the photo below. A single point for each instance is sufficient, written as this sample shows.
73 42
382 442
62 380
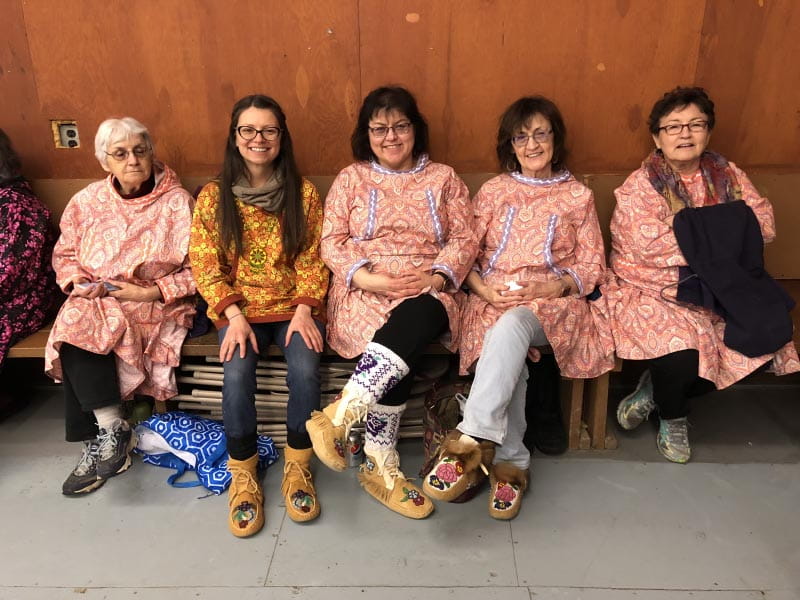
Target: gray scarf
268 197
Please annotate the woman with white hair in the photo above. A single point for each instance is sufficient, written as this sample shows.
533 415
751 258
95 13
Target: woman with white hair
122 258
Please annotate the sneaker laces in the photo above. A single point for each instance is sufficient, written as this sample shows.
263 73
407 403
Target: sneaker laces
108 441
677 431
88 459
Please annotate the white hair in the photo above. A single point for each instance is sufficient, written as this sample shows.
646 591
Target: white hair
112 130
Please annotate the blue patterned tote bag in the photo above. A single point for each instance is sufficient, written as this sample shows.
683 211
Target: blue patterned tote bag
184 442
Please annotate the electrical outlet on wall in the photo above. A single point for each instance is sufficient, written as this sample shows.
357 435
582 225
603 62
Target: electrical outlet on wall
65 134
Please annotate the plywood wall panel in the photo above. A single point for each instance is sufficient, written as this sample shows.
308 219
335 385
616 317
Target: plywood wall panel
602 61
748 63
408 43
179 66
19 104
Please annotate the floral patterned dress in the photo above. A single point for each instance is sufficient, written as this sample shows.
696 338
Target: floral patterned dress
645 257
533 229
144 241
393 222
28 290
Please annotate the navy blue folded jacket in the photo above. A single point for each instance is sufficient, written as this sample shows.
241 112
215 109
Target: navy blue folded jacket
723 246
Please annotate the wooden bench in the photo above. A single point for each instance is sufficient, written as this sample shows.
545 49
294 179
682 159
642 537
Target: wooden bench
585 404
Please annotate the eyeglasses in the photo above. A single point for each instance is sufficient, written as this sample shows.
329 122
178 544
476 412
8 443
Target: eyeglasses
248 133
381 131
121 154
539 136
677 128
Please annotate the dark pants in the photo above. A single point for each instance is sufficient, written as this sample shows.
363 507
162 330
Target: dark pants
675 382
412 325
239 389
90 382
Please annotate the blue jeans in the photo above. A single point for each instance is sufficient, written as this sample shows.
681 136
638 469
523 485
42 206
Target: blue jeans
239 388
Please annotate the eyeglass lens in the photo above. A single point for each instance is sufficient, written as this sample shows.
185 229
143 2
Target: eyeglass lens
382 130
122 154
538 136
268 133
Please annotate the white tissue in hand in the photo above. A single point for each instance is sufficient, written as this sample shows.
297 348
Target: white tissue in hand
513 286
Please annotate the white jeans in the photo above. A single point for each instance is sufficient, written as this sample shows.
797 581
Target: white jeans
495 409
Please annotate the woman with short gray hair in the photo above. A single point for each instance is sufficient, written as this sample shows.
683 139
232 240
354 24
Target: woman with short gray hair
122 258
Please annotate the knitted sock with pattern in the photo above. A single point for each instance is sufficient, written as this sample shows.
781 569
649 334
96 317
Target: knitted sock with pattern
382 426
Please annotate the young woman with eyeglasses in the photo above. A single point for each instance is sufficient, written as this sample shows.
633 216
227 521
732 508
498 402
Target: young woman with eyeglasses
686 347
255 254
540 255
397 238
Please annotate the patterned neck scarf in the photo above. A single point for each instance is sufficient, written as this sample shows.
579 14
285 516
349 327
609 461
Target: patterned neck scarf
718 177
268 197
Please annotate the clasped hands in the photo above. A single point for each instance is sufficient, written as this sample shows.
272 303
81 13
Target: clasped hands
404 285
502 296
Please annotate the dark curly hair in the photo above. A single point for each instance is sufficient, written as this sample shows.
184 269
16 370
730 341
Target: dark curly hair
679 98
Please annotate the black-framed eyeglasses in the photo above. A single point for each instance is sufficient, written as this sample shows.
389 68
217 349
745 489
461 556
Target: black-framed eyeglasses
248 133
677 128
540 136
381 131
121 154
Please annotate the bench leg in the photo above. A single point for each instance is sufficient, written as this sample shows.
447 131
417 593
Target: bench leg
571 393
596 411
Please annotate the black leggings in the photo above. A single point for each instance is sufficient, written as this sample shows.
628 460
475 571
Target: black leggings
90 382
675 381
412 325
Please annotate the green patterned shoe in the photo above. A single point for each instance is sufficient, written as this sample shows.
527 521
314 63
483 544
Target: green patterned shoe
634 408
673 440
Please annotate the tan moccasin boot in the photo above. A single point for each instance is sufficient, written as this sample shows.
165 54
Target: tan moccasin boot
298 486
245 497
328 428
508 483
381 478
462 464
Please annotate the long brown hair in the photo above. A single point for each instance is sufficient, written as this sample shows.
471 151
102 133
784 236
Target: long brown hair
292 217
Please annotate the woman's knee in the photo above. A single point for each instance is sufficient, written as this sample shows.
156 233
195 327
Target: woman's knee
303 366
239 372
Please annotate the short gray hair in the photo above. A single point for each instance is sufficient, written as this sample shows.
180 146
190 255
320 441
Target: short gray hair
111 130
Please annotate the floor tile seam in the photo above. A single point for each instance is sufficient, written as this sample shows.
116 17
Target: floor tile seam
717 589
514 552
535 588
274 550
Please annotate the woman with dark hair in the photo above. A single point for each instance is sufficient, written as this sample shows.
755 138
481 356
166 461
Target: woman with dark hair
255 251
122 258
684 345
541 253
397 238
28 289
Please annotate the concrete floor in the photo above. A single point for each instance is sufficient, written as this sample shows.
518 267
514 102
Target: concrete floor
614 525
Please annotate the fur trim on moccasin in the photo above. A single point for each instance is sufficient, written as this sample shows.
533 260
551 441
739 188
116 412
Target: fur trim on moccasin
508 484
458 466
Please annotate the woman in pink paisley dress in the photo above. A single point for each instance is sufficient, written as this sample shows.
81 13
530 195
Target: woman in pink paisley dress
541 255
397 236
683 345
122 258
